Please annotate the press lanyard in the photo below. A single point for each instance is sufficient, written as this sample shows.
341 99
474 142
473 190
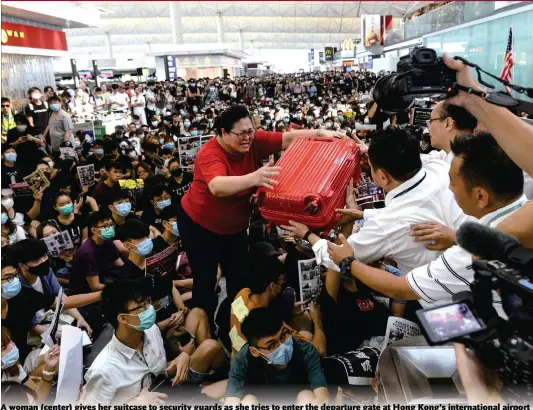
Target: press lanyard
410 188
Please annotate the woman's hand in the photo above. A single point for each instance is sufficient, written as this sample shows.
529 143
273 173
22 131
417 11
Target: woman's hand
51 359
263 177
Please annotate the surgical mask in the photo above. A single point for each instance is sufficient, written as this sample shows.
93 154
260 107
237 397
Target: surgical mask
198 118
309 118
4 218
66 210
200 133
123 209
145 247
99 151
175 228
21 128
161 141
55 107
283 354
11 157
194 133
11 358
107 233
146 319
77 144
285 120
340 117
8 203
170 145
268 121
187 124
36 96
194 109
51 165
11 289
40 270
298 115
163 204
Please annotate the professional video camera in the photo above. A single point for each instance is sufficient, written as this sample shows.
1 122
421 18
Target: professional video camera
422 73
502 345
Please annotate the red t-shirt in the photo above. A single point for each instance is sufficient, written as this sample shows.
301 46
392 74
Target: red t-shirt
228 215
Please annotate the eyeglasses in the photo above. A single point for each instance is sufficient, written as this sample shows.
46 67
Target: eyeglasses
275 344
428 122
144 305
5 105
106 226
242 135
10 278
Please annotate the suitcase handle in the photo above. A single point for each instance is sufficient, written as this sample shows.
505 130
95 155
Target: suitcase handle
322 139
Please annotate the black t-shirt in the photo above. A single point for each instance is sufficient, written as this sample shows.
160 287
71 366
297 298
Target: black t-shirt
179 189
150 217
118 228
11 175
40 116
28 153
98 164
74 229
175 130
355 318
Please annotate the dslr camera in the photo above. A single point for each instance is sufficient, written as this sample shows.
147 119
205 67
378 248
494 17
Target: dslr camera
504 345
421 73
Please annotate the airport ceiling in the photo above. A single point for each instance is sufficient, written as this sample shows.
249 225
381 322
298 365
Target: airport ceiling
146 25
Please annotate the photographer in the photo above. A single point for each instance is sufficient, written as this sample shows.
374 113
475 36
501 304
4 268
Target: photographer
487 185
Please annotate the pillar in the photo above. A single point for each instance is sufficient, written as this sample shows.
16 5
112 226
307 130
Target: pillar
241 41
220 30
109 46
175 22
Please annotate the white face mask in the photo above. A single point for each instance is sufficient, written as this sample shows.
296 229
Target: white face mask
8 203
36 96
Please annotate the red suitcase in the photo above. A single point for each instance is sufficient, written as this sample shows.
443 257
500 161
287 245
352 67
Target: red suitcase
312 182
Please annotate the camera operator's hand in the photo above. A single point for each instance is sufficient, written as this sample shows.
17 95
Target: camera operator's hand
480 384
438 236
463 77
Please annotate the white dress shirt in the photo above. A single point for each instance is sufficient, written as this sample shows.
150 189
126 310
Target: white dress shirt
441 154
424 197
116 375
121 99
452 272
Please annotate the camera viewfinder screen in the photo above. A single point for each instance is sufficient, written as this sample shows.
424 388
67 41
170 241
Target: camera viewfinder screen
451 321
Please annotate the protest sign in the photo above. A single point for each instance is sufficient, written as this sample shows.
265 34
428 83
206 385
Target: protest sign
86 175
163 263
399 329
69 152
37 181
310 283
58 242
21 189
49 335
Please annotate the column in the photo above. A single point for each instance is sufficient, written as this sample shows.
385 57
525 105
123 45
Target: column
241 40
220 30
175 22
109 46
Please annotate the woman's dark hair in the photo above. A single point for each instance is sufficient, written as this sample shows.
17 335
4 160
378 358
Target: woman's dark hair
32 89
60 194
47 88
11 228
42 225
227 120
144 166
14 370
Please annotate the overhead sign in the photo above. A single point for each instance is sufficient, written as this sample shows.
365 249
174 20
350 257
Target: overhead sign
348 45
328 52
372 30
21 35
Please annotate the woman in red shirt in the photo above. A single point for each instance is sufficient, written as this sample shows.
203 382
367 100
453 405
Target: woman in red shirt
215 213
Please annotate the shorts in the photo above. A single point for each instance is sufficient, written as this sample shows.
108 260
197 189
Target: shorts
197 377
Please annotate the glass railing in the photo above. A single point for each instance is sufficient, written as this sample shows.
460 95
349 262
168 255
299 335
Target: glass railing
449 15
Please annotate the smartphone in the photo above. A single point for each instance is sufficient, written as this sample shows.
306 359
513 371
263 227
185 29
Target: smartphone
156 383
442 324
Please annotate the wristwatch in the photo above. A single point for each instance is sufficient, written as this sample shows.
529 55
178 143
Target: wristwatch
346 267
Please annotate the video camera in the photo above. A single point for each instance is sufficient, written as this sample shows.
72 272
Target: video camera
422 73
471 319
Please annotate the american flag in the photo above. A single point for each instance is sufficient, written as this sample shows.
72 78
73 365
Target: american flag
508 61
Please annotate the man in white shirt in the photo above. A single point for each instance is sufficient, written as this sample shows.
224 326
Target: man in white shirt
446 122
118 99
138 103
149 96
486 185
120 373
415 194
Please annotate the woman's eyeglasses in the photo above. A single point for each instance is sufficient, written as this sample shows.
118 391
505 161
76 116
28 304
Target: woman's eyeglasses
244 134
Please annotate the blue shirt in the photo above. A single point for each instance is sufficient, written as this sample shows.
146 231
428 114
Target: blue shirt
50 286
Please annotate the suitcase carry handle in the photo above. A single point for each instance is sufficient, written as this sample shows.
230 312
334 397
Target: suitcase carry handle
312 205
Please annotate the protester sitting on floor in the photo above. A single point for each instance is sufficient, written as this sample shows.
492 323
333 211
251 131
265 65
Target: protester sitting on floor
267 289
272 357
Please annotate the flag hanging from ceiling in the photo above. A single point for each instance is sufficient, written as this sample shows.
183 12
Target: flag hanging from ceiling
508 61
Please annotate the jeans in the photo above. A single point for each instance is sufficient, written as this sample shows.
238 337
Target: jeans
205 251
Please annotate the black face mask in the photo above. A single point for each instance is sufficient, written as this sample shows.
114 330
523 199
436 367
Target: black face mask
176 172
40 270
